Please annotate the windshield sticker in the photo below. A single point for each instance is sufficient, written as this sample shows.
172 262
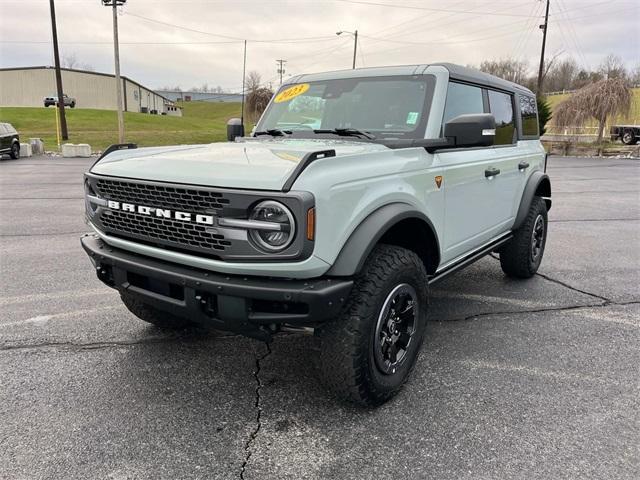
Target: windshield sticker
291 92
412 118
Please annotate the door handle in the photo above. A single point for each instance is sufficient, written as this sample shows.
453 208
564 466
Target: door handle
491 172
523 165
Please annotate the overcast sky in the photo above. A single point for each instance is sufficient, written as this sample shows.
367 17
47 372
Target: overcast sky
192 42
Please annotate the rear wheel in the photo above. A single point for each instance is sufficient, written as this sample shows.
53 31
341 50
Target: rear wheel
628 138
521 257
150 314
15 151
367 354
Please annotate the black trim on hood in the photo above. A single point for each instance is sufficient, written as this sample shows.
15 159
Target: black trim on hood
304 163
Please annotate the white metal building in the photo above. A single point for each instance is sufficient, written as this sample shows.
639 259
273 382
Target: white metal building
27 87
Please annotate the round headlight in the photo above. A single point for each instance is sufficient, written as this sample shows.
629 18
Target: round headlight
284 227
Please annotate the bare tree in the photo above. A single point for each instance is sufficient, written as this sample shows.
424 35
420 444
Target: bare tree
634 76
257 96
599 101
613 67
252 81
561 75
69 60
509 69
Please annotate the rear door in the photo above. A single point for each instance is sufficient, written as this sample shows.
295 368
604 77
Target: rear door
507 157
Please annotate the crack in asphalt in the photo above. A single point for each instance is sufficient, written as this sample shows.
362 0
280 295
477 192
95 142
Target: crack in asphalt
570 287
112 344
540 310
596 220
258 407
84 346
607 301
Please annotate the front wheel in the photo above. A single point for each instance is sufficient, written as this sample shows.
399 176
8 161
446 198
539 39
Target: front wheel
366 355
15 151
521 257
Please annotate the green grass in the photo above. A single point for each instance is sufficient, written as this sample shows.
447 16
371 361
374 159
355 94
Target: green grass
202 122
632 118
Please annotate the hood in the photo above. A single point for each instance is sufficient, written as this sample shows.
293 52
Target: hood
255 164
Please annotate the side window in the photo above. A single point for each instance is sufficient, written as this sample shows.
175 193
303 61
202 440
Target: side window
462 99
501 107
529 112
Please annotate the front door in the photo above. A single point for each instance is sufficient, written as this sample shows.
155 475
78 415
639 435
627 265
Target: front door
474 212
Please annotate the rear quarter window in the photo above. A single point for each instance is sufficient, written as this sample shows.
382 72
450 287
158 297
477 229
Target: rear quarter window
529 116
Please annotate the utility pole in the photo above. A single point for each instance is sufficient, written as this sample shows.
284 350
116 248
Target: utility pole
355 48
244 72
116 50
355 44
281 68
56 59
544 43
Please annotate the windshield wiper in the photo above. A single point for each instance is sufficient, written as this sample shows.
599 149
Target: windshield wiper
274 132
347 132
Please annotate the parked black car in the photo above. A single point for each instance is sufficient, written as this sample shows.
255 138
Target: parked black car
9 141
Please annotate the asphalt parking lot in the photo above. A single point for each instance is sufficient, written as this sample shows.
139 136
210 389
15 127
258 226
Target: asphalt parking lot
517 379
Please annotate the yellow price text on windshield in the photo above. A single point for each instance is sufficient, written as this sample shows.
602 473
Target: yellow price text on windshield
291 92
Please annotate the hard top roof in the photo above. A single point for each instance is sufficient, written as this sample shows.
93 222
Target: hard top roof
456 72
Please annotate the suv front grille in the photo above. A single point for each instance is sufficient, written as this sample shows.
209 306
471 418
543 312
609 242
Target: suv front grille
184 199
168 232
173 232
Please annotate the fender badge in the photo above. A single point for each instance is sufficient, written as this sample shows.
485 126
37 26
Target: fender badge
439 181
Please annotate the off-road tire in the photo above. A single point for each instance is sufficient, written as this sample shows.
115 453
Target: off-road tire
516 258
15 151
346 350
150 314
628 138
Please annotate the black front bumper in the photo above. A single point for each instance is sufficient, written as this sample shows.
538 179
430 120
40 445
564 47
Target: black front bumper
246 305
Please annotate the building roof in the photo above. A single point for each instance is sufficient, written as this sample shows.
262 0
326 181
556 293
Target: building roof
48 67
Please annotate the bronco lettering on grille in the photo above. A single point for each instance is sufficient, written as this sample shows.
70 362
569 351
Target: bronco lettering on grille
161 212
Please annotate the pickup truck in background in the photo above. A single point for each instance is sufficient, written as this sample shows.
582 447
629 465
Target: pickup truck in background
53 100
628 134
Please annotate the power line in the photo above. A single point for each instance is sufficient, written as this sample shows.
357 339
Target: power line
254 40
37 42
430 9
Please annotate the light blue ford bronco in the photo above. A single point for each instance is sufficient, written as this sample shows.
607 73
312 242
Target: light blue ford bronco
354 193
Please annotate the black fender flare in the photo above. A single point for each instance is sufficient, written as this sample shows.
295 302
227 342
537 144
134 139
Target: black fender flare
537 180
364 238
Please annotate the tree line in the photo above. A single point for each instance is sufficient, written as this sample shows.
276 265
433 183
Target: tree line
561 74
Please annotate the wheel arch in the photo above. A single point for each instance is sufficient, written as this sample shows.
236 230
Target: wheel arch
397 224
538 185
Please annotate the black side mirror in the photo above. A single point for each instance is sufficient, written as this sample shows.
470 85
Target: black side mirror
471 130
235 128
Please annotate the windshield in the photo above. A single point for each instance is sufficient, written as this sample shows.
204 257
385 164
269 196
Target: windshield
386 107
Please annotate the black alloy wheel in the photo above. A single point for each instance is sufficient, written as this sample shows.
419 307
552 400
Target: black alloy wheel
395 328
